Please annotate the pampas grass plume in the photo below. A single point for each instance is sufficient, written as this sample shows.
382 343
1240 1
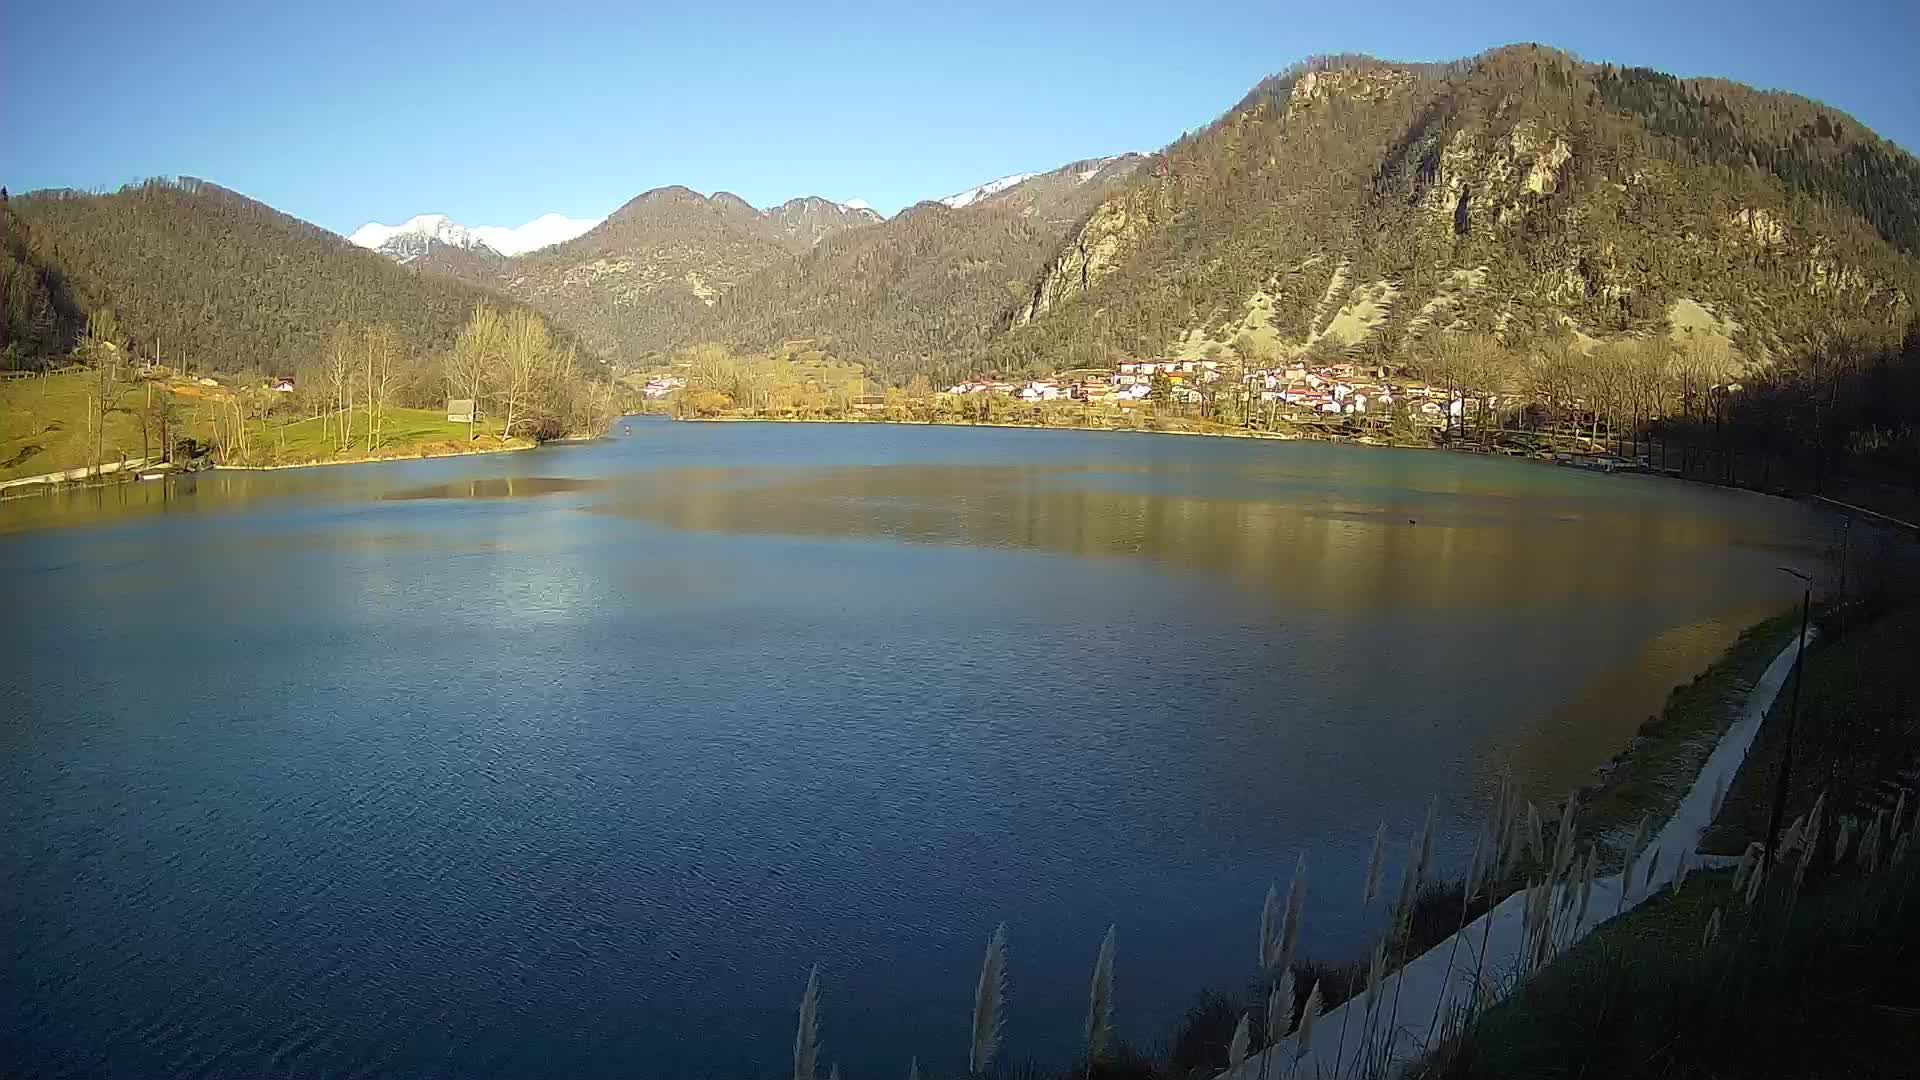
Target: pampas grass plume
1746 868
806 1036
1372 887
1269 927
1291 920
1477 866
1586 884
1426 843
1639 842
1307 1018
988 1000
1100 1000
1563 840
1280 1008
1242 1038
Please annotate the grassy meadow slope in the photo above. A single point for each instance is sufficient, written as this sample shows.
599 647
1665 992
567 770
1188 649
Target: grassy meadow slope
46 426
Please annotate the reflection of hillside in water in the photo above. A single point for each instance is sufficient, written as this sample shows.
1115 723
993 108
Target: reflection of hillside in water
1319 547
1588 727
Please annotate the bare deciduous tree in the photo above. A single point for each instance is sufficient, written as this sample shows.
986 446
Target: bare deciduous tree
477 354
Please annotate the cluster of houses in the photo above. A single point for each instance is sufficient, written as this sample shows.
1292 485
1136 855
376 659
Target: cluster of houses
661 385
1346 389
1334 389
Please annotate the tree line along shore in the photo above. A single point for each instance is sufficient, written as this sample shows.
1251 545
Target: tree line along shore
363 395
1827 418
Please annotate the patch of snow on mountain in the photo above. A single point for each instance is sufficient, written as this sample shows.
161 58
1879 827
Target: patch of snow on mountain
990 188
410 239
437 227
1094 168
857 204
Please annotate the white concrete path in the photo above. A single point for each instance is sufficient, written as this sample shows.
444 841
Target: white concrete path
81 473
1440 981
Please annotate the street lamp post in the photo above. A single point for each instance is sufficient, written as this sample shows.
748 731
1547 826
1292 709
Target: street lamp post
1793 712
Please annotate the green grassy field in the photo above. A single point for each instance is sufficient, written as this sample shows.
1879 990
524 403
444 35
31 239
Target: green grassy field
403 433
1858 727
44 428
43 424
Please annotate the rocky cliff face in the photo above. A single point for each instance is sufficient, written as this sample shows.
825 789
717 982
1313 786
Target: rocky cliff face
1522 194
1099 245
802 223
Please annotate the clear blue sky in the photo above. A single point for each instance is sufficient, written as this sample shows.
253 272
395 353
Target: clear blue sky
348 111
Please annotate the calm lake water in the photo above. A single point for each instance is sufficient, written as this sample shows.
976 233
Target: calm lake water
571 762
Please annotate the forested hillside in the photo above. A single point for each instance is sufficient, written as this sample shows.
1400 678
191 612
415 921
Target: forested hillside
201 276
923 293
1367 208
650 274
1347 206
42 321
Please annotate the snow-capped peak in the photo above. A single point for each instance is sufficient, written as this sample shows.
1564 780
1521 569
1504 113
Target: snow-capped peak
410 239
435 227
857 204
992 187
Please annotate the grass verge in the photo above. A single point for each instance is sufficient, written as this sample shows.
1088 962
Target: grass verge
1857 733
1815 990
1653 773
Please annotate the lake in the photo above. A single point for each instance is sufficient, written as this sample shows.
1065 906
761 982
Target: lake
572 762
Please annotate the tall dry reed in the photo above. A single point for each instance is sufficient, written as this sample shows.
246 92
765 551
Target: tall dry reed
989 999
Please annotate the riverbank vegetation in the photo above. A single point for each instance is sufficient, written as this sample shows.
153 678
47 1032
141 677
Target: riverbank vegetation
1831 416
365 395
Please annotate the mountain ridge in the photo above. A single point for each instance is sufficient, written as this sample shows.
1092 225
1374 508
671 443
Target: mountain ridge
1347 204
1362 206
194 270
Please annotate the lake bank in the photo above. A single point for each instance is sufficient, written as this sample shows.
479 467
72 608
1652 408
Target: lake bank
45 423
1302 433
404 453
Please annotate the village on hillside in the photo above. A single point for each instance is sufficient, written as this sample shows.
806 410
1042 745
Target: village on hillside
1337 389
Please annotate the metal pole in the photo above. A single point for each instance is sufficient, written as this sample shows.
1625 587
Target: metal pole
1793 711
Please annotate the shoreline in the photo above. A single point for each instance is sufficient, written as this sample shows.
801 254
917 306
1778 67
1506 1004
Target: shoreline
1229 433
1224 433
1435 984
1239 433
390 457
111 474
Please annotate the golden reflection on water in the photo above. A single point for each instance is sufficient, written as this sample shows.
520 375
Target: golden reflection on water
1317 548
496 487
